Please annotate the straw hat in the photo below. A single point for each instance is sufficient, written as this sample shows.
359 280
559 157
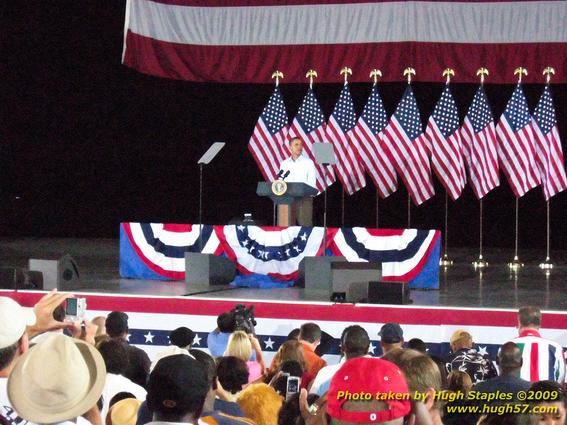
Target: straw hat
124 412
58 379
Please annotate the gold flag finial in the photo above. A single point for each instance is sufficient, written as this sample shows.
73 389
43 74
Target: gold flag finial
374 74
409 71
482 72
520 71
277 75
346 71
548 72
311 74
448 73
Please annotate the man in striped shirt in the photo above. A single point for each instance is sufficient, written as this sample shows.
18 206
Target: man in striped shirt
543 359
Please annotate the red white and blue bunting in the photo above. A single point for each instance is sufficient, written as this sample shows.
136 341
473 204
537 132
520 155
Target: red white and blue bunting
156 251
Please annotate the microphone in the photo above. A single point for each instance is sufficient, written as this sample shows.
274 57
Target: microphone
285 175
279 174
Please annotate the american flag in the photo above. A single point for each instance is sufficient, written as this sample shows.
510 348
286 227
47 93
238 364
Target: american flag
479 145
445 144
268 142
368 133
516 145
309 125
339 132
404 143
549 156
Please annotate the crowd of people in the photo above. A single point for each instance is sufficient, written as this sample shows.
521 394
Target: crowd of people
53 371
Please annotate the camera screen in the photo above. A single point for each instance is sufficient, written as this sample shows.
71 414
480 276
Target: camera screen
71 309
292 385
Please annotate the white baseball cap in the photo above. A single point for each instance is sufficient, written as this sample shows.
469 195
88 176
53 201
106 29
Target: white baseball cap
13 321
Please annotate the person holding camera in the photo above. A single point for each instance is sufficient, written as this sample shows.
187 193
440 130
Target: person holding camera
238 319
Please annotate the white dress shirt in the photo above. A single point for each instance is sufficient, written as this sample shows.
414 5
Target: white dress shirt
301 170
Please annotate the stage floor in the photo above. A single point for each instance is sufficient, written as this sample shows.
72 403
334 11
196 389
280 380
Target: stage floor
460 285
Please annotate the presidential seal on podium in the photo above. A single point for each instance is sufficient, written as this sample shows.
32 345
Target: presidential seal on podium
279 187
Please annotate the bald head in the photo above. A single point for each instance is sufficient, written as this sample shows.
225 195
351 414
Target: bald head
509 357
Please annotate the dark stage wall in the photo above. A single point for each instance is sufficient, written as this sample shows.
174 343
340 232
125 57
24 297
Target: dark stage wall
86 143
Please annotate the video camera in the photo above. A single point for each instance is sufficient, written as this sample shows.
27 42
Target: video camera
244 318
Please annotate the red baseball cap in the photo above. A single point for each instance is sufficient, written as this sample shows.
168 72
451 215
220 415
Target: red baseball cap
366 379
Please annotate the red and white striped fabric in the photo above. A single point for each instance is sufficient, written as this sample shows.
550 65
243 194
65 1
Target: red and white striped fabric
309 125
268 142
549 155
406 147
245 40
340 133
445 145
368 134
516 145
479 143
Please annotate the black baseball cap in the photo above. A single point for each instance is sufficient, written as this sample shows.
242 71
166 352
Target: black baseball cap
182 337
116 323
178 385
391 333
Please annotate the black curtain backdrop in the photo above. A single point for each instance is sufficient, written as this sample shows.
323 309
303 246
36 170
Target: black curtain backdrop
86 143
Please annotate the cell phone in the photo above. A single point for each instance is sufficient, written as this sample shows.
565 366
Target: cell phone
75 308
293 384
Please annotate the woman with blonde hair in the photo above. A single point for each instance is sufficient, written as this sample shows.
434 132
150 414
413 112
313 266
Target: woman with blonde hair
240 346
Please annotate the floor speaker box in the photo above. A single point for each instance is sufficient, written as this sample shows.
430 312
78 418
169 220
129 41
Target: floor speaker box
58 272
388 293
315 272
208 269
11 278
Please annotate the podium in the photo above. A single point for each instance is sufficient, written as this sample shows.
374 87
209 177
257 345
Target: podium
284 203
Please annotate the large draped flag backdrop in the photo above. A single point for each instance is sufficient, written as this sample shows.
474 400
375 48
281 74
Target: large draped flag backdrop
245 40
157 250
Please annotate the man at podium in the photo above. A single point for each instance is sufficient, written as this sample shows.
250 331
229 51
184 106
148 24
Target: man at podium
298 168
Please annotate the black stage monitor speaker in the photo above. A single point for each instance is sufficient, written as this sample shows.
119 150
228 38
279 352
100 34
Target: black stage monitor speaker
388 293
17 278
11 278
59 272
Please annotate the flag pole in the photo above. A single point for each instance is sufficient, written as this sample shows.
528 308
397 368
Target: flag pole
547 265
408 72
480 262
342 208
445 261
276 75
374 74
346 71
409 211
377 207
516 264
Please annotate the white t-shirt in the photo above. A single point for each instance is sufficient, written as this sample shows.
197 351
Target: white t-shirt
116 384
322 381
301 170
